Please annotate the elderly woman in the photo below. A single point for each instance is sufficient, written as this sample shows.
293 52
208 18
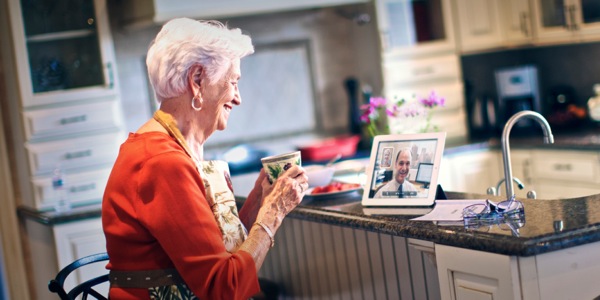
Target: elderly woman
171 224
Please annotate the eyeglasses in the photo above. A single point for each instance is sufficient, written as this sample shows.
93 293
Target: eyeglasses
490 212
513 224
508 215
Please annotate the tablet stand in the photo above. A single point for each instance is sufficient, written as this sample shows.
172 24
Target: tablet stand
439 193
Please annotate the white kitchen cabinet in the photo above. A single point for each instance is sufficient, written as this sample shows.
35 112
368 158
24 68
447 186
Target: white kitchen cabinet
552 174
66 109
478 24
564 21
473 171
62 59
54 246
521 163
73 119
565 173
403 73
76 240
445 177
563 274
493 24
411 79
418 57
516 21
82 188
415 28
462 276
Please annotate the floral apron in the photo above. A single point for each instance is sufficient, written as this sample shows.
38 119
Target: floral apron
219 194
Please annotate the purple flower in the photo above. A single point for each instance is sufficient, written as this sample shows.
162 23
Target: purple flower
370 111
433 100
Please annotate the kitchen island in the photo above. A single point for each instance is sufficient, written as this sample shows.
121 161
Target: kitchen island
330 248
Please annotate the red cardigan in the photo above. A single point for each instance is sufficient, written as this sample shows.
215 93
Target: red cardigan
155 216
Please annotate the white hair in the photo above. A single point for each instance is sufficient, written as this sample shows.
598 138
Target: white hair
183 42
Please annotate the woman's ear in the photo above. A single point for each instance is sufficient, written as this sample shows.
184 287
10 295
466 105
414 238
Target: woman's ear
195 78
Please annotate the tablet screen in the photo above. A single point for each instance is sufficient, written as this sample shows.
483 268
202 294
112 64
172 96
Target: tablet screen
403 169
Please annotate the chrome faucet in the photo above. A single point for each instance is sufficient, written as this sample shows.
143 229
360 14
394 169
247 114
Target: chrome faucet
496 191
548 139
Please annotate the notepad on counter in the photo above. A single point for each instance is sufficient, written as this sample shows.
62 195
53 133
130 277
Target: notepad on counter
448 210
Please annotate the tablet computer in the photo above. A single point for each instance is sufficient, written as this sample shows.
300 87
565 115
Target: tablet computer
403 170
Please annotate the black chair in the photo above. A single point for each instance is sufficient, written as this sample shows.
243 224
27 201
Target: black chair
84 289
269 289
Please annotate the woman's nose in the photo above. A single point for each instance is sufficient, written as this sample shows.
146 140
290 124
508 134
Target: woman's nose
237 99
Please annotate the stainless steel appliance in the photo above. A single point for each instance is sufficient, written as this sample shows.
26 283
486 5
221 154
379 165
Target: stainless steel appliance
517 91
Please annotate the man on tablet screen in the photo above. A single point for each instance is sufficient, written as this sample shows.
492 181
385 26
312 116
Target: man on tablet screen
399 186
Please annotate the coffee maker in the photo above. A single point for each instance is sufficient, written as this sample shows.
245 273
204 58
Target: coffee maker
517 91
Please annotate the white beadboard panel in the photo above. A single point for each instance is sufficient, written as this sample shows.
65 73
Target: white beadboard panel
352 260
330 260
376 264
402 267
310 260
301 258
287 242
388 261
341 262
319 261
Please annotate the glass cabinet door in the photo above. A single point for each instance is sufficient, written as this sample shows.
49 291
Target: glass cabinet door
62 44
590 11
410 24
553 13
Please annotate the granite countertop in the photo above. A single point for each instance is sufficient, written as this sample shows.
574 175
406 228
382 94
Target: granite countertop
550 225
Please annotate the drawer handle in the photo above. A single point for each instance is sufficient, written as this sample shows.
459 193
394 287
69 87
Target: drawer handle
562 167
82 188
423 71
78 154
75 119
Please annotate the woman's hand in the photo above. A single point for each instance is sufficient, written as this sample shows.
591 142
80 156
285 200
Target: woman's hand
254 201
283 196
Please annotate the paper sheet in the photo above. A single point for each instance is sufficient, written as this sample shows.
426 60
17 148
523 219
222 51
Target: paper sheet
448 210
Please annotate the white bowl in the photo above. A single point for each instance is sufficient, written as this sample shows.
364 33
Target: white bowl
319 175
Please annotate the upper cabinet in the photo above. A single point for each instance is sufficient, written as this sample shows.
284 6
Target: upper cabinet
66 109
516 22
567 20
143 12
478 24
490 24
495 24
62 58
415 27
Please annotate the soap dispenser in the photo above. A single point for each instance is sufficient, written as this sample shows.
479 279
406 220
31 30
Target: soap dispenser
594 104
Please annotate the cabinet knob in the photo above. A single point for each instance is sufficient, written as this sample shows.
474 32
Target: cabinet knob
562 167
524 24
111 80
74 119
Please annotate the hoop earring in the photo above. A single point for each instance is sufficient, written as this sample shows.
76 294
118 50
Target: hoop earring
199 108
